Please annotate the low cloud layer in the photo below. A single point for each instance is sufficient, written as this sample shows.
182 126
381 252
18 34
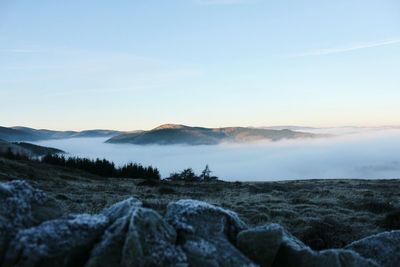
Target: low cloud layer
360 153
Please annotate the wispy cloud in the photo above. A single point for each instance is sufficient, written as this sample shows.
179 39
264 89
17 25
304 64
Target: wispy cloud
19 51
348 48
224 2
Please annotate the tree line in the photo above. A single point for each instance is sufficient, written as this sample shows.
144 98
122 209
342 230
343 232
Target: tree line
100 167
188 175
103 167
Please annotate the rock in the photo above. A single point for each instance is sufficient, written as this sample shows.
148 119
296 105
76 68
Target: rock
271 246
207 233
193 233
261 244
60 242
121 209
293 253
22 206
140 238
384 248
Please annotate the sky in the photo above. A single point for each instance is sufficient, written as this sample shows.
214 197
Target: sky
130 65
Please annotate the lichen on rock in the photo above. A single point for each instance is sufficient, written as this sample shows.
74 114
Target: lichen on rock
60 242
22 206
207 233
140 238
384 248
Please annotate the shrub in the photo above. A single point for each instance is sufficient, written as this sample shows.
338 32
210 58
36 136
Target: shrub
164 190
327 233
372 205
188 175
10 154
391 220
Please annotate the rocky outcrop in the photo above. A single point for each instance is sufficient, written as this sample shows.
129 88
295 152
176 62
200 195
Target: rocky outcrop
22 206
271 246
384 248
192 233
207 233
293 253
139 238
261 244
60 242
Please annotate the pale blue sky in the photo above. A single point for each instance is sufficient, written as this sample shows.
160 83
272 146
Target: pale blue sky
137 64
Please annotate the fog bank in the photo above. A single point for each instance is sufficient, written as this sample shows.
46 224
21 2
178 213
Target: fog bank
361 154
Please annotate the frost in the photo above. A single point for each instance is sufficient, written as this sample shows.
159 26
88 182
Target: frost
122 208
383 248
179 211
200 247
17 205
56 237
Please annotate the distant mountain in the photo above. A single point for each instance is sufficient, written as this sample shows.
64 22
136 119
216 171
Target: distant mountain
169 134
27 149
11 134
290 127
30 134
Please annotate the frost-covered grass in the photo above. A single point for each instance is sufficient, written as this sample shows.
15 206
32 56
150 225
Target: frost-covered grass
322 213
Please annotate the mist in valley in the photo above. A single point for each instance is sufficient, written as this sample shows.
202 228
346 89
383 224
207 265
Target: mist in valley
351 153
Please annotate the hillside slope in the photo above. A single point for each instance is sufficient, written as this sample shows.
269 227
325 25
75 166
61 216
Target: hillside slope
322 213
27 149
11 134
170 134
29 134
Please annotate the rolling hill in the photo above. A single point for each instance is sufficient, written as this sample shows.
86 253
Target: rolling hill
27 149
10 134
30 134
170 134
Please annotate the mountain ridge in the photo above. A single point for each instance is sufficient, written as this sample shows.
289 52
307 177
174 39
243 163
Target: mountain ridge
27 149
21 133
172 134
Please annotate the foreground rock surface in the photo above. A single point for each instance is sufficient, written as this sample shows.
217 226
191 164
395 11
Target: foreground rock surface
22 206
384 248
271 245
207 233
139 238
60 242
34 232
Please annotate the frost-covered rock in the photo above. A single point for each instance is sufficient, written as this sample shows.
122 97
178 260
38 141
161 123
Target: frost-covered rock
121 209
207 233
22 206
271 246
60 242
140 238
262 243
384 248
293 253
193 233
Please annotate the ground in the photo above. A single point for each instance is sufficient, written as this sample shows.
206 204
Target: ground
322 213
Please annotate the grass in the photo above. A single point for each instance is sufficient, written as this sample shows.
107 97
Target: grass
322 213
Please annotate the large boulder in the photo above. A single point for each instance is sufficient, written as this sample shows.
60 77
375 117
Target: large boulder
140 238
271 245
22 206
121 209
207 233
261 244
60 242
384 248
293 252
